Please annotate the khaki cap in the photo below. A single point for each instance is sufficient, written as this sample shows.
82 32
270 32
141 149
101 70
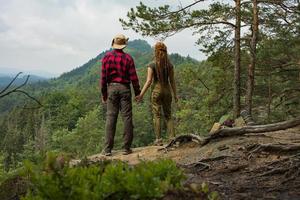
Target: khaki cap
119 41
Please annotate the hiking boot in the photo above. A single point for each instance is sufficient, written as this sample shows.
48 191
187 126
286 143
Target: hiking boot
127 151
106 153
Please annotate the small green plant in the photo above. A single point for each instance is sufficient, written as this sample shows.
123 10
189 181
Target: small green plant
210 195
115 180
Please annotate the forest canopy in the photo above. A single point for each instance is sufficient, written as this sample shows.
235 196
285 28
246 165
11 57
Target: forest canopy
253 64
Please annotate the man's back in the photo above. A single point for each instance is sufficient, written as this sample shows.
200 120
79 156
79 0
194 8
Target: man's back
118 67
117 72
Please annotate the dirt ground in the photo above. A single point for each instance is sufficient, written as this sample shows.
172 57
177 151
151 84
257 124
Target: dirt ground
253 166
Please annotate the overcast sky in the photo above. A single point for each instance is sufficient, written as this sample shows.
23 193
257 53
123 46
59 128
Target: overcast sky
59 35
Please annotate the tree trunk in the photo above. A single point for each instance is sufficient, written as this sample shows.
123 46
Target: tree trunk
269 97
41 136
237 61
250 81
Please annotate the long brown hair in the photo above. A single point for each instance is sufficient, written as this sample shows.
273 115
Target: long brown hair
163 65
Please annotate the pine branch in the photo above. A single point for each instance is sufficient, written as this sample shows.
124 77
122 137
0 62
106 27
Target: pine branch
180 10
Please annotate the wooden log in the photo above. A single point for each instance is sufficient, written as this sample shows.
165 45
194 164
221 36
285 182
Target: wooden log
237 131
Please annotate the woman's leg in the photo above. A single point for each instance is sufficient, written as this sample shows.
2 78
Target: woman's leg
166 104
156 110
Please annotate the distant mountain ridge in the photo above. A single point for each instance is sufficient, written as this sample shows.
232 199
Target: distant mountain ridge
89 72
136 48
11 72
85 77
6 79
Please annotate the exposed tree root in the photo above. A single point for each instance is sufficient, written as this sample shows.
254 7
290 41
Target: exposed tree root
238 131
181 140
259 178
201 166
235 168
215 158
292 177
274 171
274 148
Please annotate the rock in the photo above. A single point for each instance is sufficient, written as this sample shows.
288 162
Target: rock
196 188
239 122
247 118
215 127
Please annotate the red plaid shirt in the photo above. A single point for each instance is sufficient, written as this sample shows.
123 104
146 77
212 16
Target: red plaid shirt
118 67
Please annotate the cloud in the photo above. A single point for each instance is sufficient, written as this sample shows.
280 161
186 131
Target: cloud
59 35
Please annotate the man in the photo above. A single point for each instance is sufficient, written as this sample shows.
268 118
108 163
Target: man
118 71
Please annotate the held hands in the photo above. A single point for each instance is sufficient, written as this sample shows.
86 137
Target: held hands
139 98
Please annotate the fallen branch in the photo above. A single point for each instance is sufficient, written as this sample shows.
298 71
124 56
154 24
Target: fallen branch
237 131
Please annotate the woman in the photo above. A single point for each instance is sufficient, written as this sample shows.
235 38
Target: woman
161 74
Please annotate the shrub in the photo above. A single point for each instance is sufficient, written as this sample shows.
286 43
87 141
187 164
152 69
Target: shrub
114 180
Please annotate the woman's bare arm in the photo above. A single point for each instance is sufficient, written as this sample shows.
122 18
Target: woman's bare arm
148 82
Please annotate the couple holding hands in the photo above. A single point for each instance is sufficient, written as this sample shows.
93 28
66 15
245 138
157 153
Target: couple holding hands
117 72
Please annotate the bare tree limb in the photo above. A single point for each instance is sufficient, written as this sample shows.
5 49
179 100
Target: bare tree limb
15 89
31 97
6 91
212 23
11 82
203 84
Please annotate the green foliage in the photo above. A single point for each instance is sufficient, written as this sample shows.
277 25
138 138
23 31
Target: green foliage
72 119
213 24
115 180
278 63
206 84
2 171
210 195
86 139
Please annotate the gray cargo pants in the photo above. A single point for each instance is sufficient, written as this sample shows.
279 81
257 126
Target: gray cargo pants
119 99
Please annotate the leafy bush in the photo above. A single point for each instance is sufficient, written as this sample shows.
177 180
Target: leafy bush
114 180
